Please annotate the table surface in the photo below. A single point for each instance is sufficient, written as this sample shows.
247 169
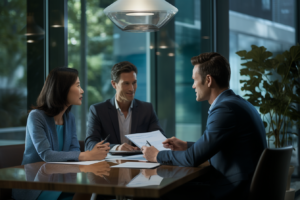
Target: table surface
100 178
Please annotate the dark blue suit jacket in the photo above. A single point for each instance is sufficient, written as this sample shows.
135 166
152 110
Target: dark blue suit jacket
103 120
233 140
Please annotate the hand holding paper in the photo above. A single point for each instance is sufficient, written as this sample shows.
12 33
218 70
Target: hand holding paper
155 138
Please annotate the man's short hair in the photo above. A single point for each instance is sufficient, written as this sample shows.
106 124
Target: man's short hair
215 65
122 67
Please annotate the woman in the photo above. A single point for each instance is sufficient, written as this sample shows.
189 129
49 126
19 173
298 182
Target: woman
51 130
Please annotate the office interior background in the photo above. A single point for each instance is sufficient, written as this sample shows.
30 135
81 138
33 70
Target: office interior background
77 34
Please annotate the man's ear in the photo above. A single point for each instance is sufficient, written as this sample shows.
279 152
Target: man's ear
113 84
209 80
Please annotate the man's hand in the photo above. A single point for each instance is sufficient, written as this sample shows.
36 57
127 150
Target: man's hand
126 147
175 144
150 153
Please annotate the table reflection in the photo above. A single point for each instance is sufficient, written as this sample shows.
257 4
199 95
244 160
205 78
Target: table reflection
101 173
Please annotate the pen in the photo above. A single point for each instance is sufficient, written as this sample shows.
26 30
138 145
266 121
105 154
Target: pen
148 143
106 138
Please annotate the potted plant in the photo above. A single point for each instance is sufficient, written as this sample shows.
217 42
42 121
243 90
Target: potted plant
273 85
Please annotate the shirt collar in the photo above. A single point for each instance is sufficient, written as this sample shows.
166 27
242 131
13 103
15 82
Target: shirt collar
215 101
117 105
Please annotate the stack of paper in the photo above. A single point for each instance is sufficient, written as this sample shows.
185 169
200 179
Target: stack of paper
139 165
77 163
133 157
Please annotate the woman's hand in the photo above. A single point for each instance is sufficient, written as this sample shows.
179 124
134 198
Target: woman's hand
99 152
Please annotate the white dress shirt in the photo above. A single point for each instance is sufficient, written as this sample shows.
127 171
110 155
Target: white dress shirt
124 123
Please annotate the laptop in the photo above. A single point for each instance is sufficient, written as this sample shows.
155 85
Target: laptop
134 152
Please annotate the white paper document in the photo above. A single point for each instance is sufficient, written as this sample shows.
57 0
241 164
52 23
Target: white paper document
155 138
77 163
138 157
138 165
141 181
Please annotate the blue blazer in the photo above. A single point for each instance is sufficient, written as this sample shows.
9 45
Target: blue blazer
233 140
103 120
41 142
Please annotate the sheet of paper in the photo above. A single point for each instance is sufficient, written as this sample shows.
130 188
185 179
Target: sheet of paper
78 163
138 157
141 181
138 165
155 138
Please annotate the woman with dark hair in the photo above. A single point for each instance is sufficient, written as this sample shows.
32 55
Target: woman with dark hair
51 130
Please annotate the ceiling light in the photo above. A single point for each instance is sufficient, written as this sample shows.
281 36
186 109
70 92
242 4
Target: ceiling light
140 15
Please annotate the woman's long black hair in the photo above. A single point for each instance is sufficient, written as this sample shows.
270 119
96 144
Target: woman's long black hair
54 95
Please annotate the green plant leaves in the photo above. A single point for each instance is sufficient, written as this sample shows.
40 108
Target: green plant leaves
273 85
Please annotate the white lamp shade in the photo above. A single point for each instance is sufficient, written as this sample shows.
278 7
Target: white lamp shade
140 15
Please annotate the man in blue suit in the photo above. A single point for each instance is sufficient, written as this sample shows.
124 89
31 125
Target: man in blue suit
234 137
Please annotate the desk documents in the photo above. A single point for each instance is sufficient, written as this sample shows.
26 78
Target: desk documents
77 163
139 165
155 138
138 157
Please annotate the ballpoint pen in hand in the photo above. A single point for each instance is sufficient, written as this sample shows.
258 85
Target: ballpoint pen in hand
106 138
148 143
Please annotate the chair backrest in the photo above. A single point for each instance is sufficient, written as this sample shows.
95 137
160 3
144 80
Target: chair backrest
270 177
11 155
81 144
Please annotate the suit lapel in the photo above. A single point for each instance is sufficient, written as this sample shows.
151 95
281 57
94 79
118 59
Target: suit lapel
135 117
114 118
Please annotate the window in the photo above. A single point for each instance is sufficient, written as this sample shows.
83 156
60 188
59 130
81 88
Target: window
187 45
13 71
106 45
251 24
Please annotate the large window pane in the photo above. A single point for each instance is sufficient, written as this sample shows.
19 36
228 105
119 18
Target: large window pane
188 43
106 46
13 72
268 23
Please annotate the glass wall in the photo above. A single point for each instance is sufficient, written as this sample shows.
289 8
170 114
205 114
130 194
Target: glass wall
13 71
268 23
188 43
105 46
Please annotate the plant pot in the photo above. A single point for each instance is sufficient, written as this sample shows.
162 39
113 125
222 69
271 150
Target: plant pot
290 192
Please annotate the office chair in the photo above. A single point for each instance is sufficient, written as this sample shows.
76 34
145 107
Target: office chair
271 174
10 156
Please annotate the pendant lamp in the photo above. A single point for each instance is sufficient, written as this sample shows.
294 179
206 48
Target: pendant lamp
32 31
140 15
